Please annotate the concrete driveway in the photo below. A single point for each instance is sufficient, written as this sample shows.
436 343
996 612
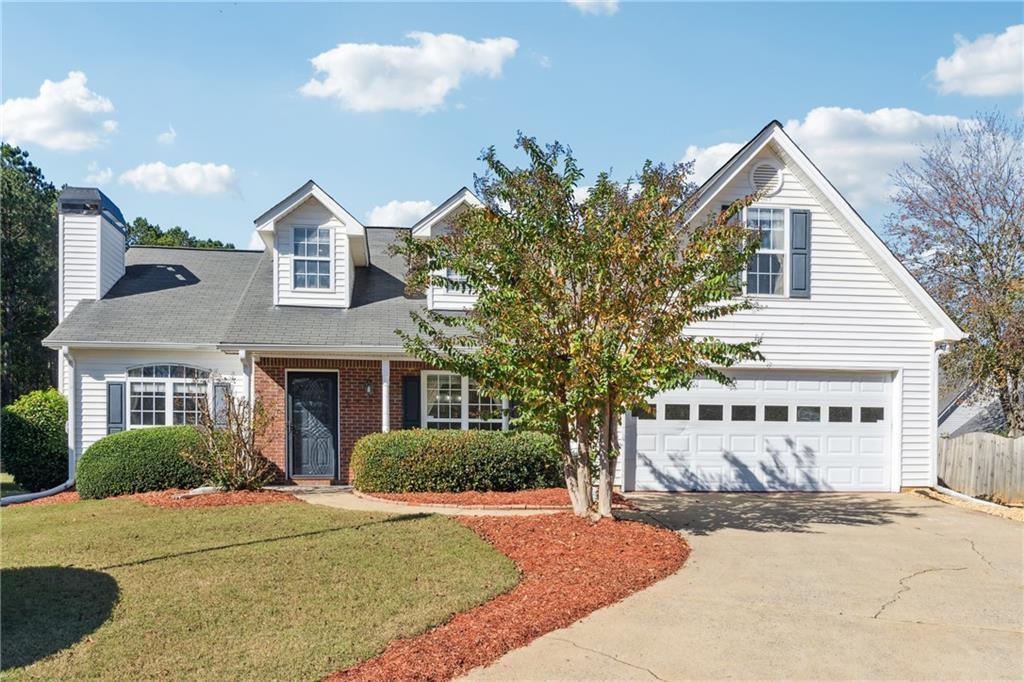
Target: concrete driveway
807 586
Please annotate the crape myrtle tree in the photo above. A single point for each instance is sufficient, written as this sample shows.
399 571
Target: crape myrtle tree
582 304
959 228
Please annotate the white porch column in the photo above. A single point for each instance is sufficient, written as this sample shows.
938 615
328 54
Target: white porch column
385 395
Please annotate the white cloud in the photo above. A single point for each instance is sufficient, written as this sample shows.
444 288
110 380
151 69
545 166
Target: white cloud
855 149
989 65
399 213
709 159
372 77
606 7
65 116
185 178
99 176
168 136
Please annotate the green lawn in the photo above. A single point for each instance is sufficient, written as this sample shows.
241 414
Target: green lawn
9 487
115 589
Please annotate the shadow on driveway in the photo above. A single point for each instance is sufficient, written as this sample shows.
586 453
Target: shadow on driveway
45 609
705 513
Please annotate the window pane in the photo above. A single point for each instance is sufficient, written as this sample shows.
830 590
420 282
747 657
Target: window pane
483 411
744 413
712 413
444 398
840 414
870 415
808 414
648 412
677 412
776 413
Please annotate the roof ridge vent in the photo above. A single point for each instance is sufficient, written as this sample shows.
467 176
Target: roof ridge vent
766 177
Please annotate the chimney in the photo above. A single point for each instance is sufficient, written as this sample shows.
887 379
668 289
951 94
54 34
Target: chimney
92 235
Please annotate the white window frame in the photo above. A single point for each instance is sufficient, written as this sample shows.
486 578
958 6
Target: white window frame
330 258
168 391
464 420
783 252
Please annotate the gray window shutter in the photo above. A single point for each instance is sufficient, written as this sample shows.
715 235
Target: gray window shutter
115 407
800 254
220 404
411 401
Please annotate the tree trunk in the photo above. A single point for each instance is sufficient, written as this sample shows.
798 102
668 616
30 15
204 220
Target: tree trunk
576 469
1012 402
607 456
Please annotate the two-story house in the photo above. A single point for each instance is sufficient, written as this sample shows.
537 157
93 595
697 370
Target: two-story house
846 399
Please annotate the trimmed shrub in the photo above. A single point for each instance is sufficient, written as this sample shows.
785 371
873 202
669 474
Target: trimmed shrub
456 461
139 461
35 441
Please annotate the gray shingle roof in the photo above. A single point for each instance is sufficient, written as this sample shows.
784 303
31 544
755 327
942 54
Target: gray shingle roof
172 295
167 295
379 306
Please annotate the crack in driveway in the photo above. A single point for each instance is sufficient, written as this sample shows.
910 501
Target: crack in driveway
980 555
609 656
904 587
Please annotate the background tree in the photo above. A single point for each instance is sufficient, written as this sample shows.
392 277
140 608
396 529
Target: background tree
582 305
141 232
28 286
959 228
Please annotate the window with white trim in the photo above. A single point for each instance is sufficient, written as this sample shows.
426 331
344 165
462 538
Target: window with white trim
311 263
166 394
451 401
765 271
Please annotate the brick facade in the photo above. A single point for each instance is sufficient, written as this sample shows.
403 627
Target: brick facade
359 413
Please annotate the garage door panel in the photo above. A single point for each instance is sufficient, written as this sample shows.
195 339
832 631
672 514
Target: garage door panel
753 453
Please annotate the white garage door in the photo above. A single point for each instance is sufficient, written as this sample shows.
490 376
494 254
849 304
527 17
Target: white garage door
774 431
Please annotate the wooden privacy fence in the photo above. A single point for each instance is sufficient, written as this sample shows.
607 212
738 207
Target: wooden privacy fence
983 465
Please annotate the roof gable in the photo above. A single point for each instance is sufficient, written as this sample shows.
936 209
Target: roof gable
774 137
451 206
266 224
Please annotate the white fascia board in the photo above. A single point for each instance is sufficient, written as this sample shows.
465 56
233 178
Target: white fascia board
946 328
127 345
461 198
265 223
301 350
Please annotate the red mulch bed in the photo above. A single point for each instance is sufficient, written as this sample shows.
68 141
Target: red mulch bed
165 498
570 568
542 497
59 498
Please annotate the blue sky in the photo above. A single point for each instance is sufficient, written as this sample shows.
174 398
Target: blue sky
859 86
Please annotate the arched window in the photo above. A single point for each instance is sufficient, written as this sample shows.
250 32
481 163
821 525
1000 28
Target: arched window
166 394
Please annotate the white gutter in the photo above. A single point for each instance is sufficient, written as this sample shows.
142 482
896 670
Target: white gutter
72 430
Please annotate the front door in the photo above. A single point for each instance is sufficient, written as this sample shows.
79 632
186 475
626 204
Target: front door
313 423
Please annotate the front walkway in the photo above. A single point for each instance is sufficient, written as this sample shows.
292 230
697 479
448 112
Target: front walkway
807 586
346 499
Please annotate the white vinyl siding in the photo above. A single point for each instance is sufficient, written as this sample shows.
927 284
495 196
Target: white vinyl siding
855 319
111 256
79 259
311 213
443 298
96 368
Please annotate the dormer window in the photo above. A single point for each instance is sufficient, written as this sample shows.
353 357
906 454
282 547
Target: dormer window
312 258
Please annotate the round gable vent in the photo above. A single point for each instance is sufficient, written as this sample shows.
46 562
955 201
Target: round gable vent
766 178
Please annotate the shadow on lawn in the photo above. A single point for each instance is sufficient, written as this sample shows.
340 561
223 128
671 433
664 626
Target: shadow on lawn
705 513
44 609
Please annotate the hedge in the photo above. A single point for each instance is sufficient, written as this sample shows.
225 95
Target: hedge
138 461
456 461
35 441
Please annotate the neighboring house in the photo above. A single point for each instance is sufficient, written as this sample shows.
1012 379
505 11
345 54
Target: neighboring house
963 411
846 399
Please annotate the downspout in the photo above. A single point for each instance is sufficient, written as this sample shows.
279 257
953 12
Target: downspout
72 430
941 348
